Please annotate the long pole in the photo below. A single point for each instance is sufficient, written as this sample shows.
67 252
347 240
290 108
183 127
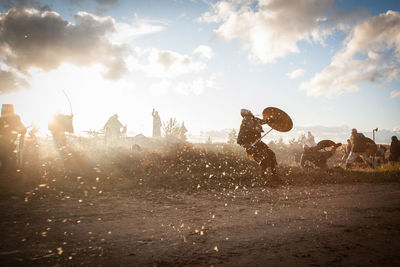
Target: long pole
259 139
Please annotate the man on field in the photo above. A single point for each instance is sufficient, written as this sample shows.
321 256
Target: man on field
318 156
58 126
112 129
358 149
394 150
10 128
249 133
156 123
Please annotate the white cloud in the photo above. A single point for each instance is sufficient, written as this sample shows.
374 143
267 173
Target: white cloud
126 32
204 52
296 73
31 38
195 87
271 29
161 88
395 93
364 57
163 63
184 87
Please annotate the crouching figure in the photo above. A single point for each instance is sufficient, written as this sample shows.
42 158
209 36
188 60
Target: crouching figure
318 155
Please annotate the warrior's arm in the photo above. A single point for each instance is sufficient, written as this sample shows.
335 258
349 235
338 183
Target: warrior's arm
261 121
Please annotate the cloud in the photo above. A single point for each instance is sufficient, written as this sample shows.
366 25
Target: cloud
192 87
24 3
126 32
43 40
204 51
271 29
32 38
296 74
10 82
395 93
370 53
160 88
107 2
195 87
163 63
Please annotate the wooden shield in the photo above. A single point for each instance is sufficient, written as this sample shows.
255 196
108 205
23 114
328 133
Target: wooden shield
277 119
325 143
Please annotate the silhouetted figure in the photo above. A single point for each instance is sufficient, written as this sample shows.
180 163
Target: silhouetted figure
156 124
310 141
60 125
10 128
318 157
358 149
112 129
250 131
182 132
394 150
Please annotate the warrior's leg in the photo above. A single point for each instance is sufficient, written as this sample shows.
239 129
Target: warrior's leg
367 160
268 157
350 159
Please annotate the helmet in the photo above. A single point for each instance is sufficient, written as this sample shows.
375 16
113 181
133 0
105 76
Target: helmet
245 112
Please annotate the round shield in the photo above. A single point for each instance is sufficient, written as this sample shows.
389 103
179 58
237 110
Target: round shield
325 143
277 119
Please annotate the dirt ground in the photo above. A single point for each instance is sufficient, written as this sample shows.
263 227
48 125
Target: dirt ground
350 224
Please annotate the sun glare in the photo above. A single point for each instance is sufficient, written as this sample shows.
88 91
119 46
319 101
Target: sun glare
93 98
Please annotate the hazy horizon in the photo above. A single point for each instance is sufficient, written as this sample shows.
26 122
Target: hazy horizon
325 63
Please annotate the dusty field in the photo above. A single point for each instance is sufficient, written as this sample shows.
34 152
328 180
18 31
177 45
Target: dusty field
186 205
351 224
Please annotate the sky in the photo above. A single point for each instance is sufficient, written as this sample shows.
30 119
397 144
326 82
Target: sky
324 62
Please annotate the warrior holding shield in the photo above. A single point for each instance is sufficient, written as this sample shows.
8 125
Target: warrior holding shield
250 137
362 147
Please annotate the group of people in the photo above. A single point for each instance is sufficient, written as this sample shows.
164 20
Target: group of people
11 127
359 147
249 137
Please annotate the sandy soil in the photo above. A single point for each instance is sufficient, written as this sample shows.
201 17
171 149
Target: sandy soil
355 224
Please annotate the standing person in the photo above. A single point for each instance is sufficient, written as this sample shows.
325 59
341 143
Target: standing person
58 126
112 129
358 149
310 141
182 132
156 124
250 131
10 128
394 150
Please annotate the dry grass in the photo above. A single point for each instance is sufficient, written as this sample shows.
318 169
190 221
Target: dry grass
182 167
